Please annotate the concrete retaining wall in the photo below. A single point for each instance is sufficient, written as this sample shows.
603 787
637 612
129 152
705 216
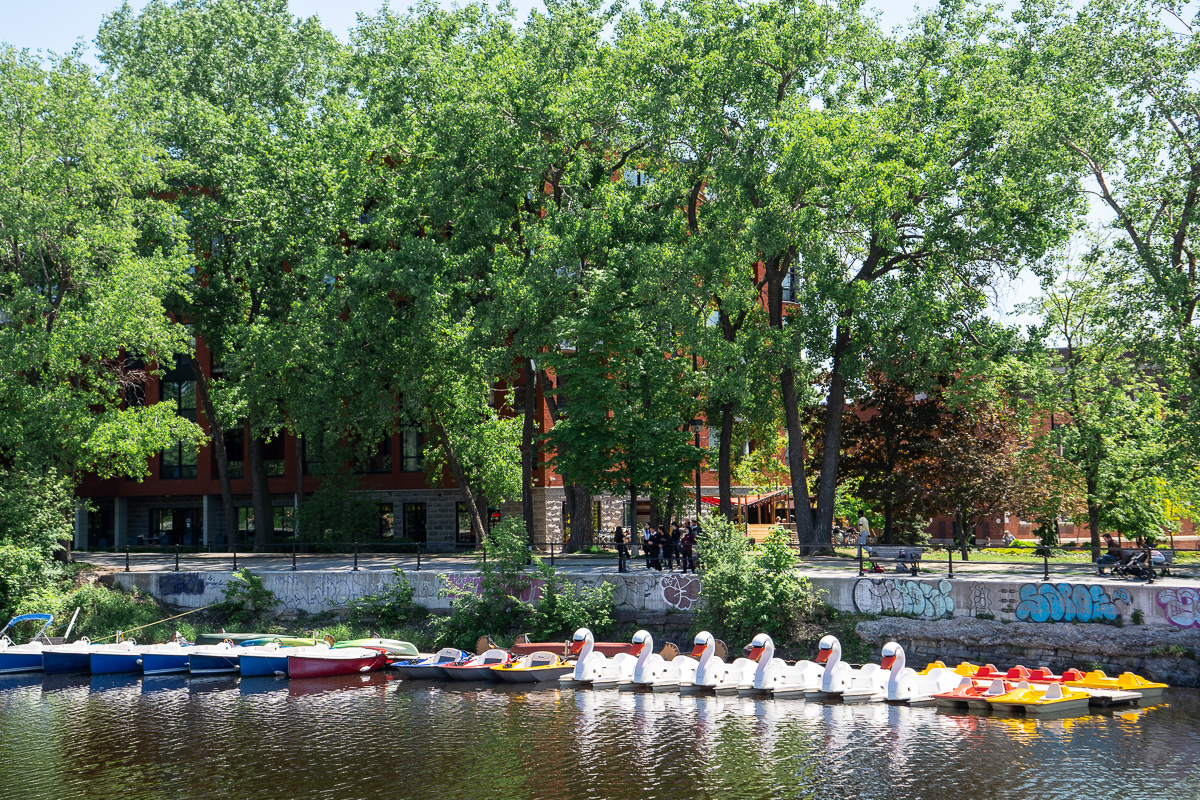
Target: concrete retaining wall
1017 600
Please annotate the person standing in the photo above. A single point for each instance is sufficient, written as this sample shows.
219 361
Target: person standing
676 549
622 552
864 531
687 545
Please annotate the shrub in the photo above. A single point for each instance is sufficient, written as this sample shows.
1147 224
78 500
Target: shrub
496 607
562 610
103 611
24 571
747 590
247 600
390 607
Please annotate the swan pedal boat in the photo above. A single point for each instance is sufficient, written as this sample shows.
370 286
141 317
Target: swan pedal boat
841 682
1035 702
431 667
658 672
23 657
596 669
906 685
776 677
536 667
712 673
477 668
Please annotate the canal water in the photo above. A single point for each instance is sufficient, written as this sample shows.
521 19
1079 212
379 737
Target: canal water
376 737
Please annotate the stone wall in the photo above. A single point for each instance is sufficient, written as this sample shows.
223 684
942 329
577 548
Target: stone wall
1156 653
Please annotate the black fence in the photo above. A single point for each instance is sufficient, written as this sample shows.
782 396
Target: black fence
1145 564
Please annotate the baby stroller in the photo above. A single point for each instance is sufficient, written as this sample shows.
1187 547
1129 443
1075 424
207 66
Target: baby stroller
1136 566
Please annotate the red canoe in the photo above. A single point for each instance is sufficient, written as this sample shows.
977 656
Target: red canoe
323 662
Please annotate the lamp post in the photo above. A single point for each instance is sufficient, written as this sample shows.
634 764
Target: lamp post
696 423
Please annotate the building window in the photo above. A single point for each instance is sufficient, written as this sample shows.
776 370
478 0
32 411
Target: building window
637 178
235 454
380 460
313 455
414 521
175 526
463 533
412 457
245 524
273 457
179 459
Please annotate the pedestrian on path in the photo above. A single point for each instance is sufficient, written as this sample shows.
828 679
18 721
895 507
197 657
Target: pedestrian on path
687 544
864 532
622 552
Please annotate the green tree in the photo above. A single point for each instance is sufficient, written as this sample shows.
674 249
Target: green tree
88 257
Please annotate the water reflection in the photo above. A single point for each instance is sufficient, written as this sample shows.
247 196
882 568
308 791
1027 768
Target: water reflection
374 736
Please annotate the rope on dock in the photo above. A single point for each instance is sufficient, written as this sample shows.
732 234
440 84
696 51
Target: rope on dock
148 624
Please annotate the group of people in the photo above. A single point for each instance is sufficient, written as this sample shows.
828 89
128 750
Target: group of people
672 546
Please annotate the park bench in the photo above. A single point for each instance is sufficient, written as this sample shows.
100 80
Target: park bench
905 557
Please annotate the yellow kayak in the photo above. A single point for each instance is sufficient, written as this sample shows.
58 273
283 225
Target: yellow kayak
1053 700
1125 682
534 668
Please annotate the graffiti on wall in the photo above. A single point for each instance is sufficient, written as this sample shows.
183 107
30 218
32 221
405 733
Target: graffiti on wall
177 583
903 596
1065 602
1180 606
681 591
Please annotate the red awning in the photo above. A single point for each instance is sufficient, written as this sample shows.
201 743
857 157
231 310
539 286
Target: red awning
748 500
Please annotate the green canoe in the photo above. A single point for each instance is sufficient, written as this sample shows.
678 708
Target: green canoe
393 647
255 638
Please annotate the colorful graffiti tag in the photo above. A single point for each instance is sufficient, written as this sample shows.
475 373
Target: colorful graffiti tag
900 596
1180 606
1064 602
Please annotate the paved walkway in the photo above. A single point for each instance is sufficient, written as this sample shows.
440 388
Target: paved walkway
813 567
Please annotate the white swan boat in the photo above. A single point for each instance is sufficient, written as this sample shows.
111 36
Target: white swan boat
654 672
596 669
774 675
712 673
842 682
906 685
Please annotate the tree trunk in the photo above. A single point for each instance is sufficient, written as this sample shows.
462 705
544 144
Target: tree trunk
299 467
805 532
527 450
260 492
633 501
460 478
1093 509
228 512
579 507
963 535
835 407
889 530
725 462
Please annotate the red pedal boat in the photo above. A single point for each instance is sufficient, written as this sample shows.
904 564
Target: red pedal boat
972 695
323 662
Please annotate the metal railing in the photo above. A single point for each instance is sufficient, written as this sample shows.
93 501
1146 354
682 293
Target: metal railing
931 561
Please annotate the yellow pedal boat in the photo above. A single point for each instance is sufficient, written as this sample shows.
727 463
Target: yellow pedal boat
1054 699
536 667
964 669
1125 682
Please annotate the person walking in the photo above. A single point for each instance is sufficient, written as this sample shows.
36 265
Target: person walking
622 552
647 535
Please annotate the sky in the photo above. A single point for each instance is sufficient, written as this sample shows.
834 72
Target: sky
57 25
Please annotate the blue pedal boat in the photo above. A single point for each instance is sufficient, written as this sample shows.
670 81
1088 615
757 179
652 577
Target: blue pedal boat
264 660
215 659
122 657
163 659
58 659
23 657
